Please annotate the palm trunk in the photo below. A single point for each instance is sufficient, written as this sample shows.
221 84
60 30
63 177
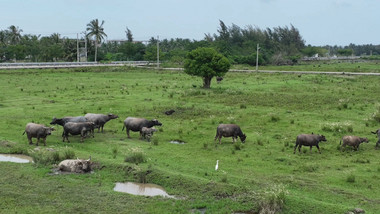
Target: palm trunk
96 49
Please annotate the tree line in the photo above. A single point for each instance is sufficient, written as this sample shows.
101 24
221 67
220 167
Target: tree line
278 45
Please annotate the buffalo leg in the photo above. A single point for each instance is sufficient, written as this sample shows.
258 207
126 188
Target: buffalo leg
102 128
299 148
128 133
310 148
44 141
30 140
318 149
38 140
295 148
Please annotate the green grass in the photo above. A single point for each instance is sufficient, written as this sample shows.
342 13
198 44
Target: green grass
262 174
356 66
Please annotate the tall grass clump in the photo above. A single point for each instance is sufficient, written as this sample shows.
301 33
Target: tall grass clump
376 114
68 153
135 157
351 179
272 200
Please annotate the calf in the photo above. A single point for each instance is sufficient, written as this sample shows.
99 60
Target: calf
37 131
353 141
77 166
147 133
377 132
308 140
100 119
81 128
229 130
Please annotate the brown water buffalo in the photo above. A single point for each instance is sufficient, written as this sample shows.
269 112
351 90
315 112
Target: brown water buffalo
81 128
64 120
353 141
308 140
100 119
377 132
76 166
147 133
37 131
136 124
229 130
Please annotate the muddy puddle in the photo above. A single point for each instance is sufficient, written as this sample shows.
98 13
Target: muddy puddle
141 189
177 142
15 158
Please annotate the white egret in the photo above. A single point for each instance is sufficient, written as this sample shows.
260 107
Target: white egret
217 165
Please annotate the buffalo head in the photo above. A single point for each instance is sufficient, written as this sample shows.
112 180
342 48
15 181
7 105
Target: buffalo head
321 138
243 137
156 122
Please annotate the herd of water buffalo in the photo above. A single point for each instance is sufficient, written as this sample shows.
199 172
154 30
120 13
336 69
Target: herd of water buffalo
85 126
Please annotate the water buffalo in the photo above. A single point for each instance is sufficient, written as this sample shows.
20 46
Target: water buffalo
81 128
147 133
37 131
219 79
308 140
77 166
229 130
377 132
100 119
353 141
64 120
136 124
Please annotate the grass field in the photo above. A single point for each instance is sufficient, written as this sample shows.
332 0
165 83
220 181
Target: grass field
261 175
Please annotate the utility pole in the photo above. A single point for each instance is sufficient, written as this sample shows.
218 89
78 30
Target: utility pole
77 47
257 57
158 53
85 43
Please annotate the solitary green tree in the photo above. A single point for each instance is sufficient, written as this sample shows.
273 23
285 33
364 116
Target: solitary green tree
96 31
206 63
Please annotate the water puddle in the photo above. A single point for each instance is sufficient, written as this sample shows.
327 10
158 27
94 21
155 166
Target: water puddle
141 189
177 142
15 158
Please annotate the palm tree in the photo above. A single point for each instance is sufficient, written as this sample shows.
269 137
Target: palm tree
15 34
97 31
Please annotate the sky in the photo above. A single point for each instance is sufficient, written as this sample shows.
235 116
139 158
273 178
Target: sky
320 22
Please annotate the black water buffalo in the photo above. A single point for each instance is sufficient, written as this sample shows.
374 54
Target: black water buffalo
219 79
147 133
308 140
353 141
136 124
77 166
64 120
377 132
100 119
37 131
81 128
229 130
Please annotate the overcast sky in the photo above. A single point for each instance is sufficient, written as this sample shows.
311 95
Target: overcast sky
320 22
